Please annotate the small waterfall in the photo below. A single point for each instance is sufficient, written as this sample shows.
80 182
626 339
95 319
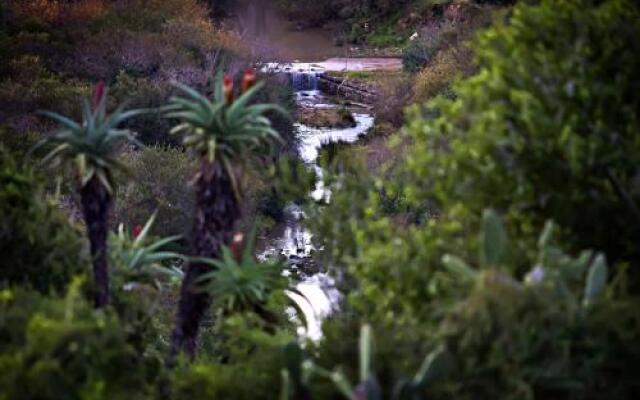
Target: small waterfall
304 80
303 76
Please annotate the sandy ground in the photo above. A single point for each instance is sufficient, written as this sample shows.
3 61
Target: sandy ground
361 64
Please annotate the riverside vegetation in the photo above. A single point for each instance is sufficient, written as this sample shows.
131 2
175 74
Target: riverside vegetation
483 235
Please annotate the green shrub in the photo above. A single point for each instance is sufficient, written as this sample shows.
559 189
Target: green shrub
48 91
160 181
419 53
437 78
542 131
245 363
144 93
395 93
55 348
557 332
38 247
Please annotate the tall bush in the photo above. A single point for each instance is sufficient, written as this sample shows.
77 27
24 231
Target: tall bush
547 128
38 247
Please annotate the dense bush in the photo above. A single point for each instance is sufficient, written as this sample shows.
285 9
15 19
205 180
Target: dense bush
438 77
395 93
160 181
419 53
148 94
38 247
247 367
56 348
543 131
536 336
32 87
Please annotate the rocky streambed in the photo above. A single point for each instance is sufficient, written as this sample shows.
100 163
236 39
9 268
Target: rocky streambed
291 239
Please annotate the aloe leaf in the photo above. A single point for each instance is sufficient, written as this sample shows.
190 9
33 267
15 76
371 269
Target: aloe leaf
163 242
596 281
61 119
285 385
493 238
457 266
365 352
241 102
547 234
342 383
161 256
56 152
145 230
104 180
435 366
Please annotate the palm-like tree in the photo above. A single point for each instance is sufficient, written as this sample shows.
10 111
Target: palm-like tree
90 145
224 132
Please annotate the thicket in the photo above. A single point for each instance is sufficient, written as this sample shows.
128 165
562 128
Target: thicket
39 249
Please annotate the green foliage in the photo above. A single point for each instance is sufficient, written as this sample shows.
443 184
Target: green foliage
91 143
56 348
519 320
32 87
543 336
542 131
419 53
38 247
159 181
145 93
238 281
538 339
251 369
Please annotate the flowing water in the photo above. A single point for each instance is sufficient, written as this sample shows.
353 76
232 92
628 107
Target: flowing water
291 239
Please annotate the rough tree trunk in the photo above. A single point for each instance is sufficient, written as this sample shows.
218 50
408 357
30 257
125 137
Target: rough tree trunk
96 203
217 209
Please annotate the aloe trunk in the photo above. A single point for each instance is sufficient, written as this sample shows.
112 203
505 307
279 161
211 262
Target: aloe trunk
96 203
217 209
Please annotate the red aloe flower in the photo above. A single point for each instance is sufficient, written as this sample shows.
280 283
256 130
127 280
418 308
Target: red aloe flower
236 246
227 86
248 80
136 231
98 94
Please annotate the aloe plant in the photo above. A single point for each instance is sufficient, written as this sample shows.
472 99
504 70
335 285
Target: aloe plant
225 133
138 259
240 282
91 146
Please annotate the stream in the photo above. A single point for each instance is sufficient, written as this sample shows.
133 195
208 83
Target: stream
291 239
